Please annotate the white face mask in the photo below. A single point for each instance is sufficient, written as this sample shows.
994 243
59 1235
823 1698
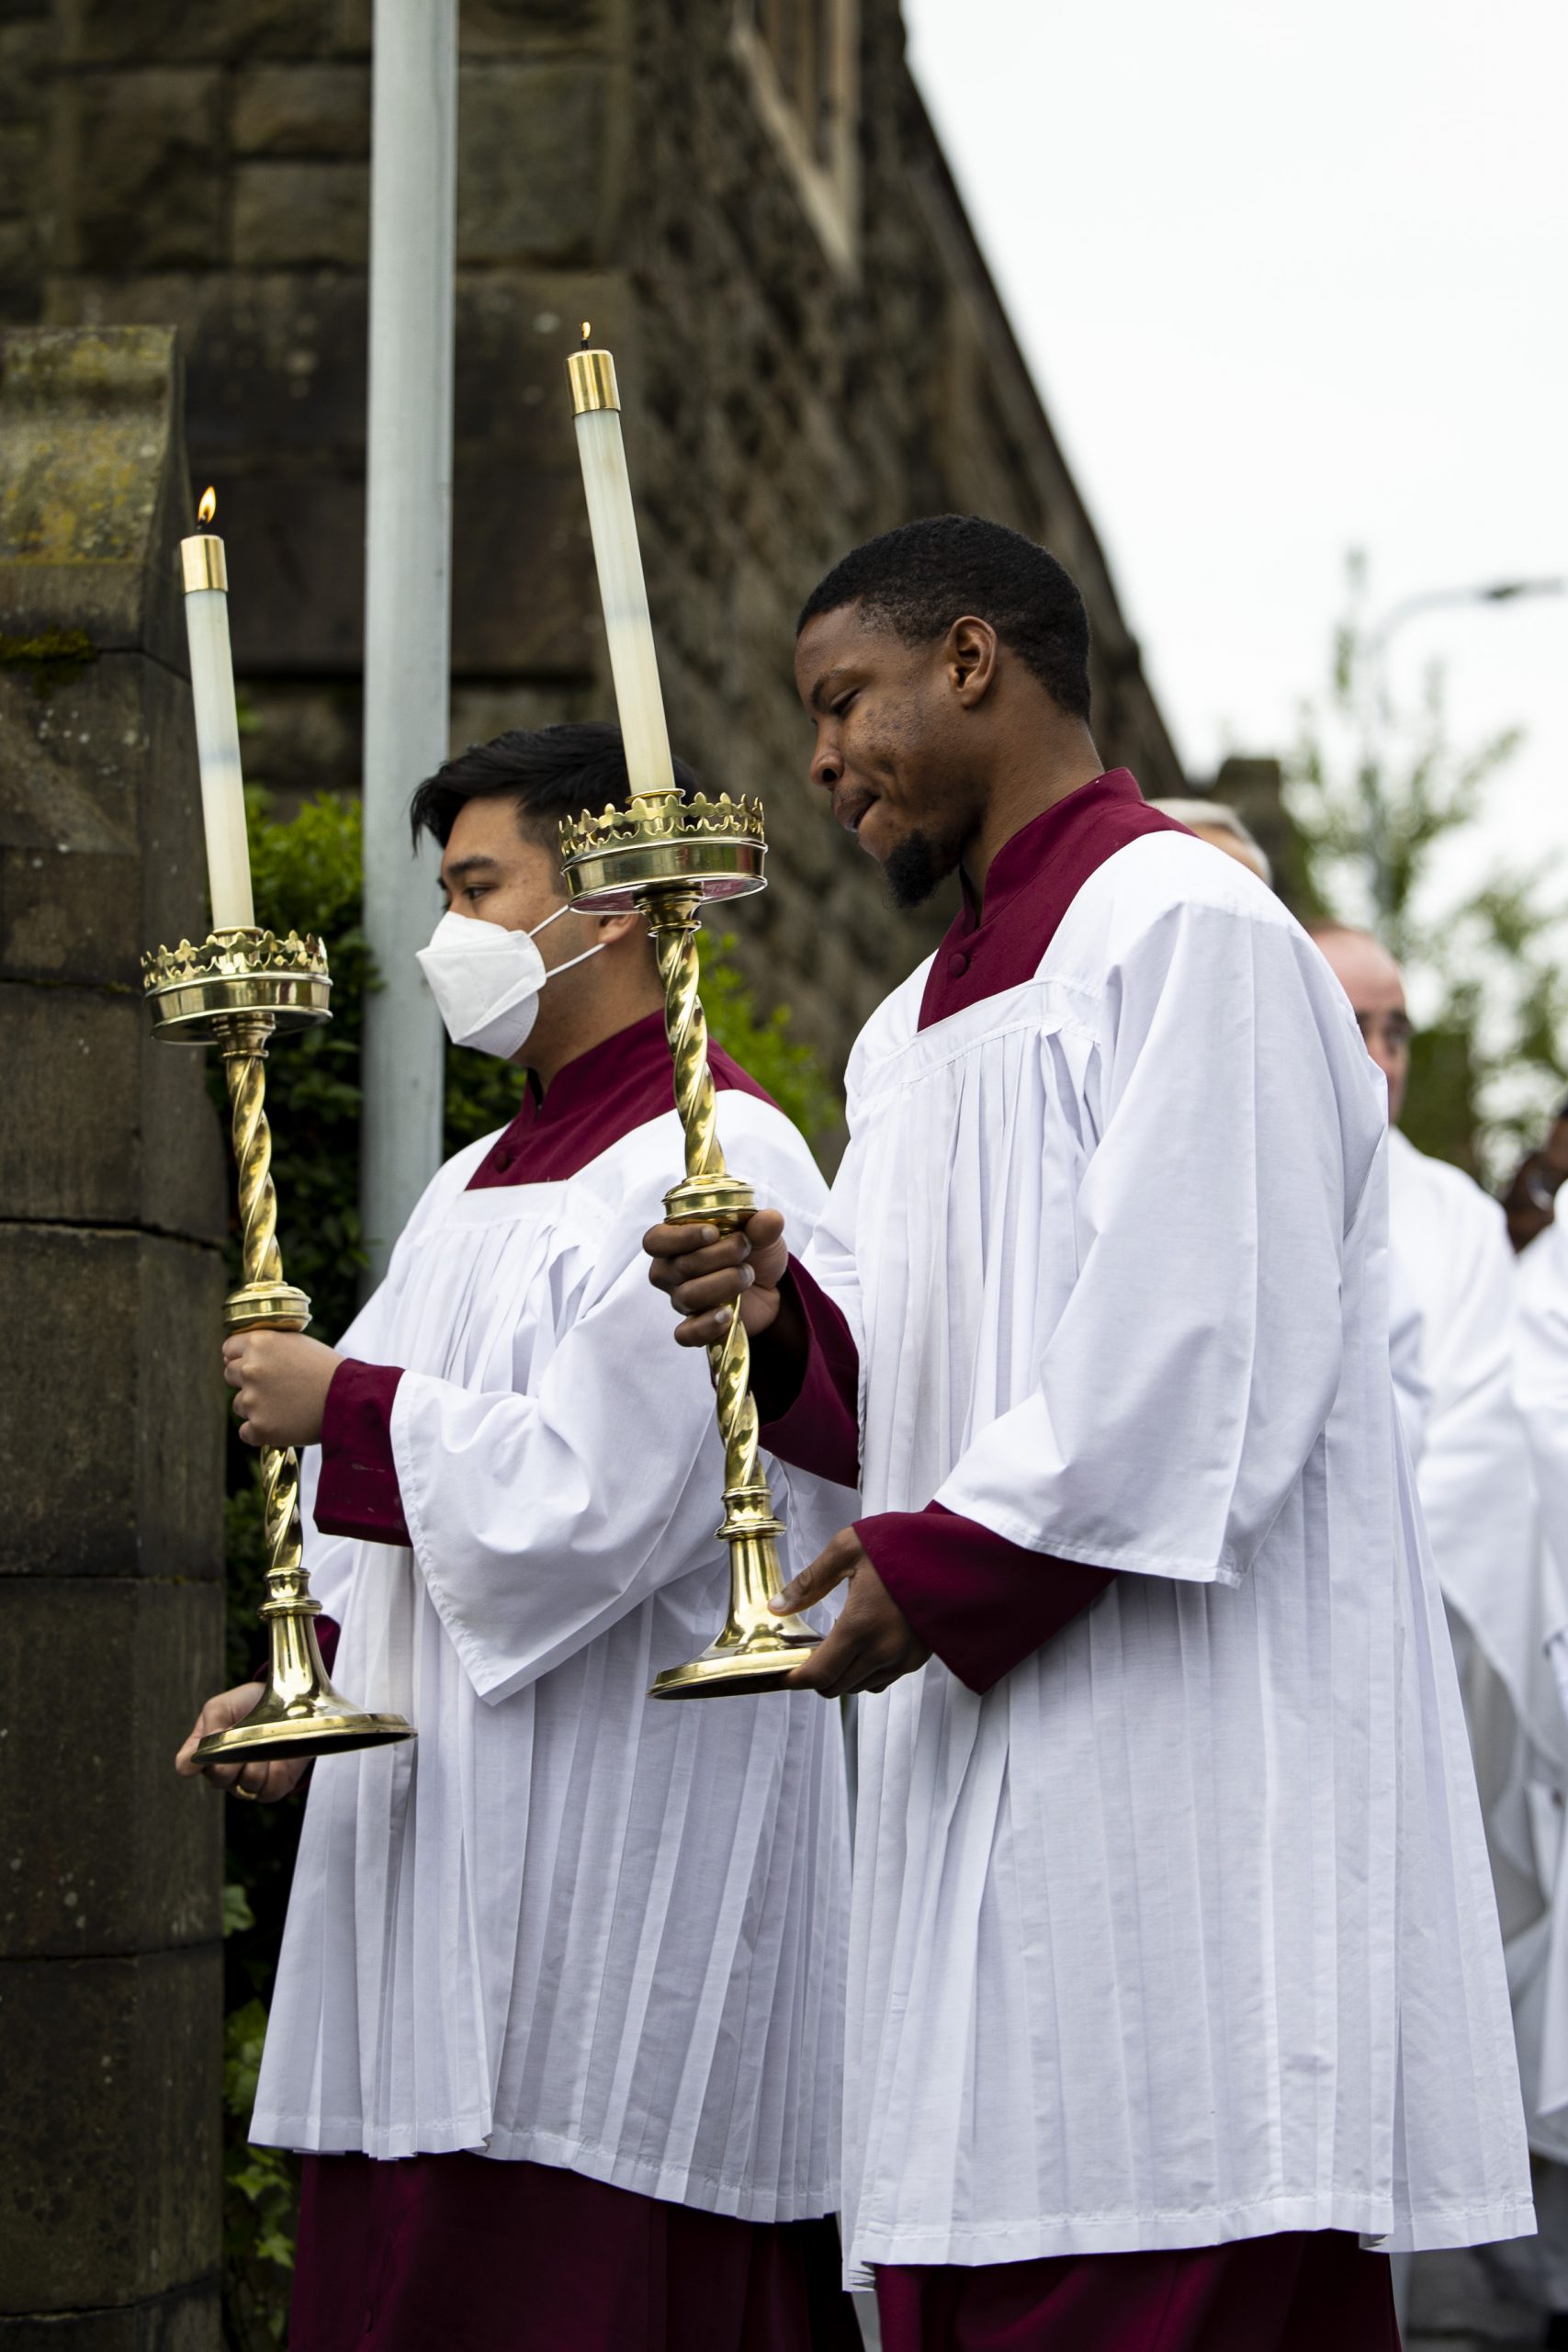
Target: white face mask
487 981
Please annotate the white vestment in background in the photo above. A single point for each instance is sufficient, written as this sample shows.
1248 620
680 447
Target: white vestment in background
1541 1381
567 1923
1448 1243
1184 1932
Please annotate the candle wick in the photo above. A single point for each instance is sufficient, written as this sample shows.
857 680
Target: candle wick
587 329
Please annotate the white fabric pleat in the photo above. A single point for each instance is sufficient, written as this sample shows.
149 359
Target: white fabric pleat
1183 1932
566 1924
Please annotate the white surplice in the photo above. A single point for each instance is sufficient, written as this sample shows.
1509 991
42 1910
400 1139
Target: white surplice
1541 1380
567 1923
1184 1932
1448 1245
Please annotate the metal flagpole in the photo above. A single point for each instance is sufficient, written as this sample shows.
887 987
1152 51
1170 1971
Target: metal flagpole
408 553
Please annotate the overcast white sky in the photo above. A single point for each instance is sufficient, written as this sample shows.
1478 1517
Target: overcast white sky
1292 279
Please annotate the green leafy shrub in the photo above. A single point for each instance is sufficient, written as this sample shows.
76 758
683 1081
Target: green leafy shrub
307 876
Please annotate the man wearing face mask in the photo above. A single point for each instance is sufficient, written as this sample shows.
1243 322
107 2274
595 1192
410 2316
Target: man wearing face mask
557 2010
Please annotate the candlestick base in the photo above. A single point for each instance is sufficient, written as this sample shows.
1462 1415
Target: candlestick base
300 1713
756 1650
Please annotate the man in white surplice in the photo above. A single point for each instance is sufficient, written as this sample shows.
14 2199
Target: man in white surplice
593 1939
1456 1275
1174 1964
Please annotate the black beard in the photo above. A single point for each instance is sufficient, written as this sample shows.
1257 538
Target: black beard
915 868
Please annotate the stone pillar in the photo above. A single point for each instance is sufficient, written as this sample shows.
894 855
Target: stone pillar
112 1205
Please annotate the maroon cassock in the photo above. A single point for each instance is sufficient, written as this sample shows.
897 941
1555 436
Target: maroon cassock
460 2252
982 1605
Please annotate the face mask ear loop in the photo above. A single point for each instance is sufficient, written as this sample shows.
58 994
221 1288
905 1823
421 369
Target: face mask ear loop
597 949
538 927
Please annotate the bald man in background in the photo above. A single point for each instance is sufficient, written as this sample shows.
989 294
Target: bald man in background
1220 826
1451 1305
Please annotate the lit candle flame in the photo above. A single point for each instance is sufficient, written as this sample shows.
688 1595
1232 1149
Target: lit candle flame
587 329
209 507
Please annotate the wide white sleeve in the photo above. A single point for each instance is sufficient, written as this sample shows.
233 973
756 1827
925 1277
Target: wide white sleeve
331 1560
541 1515
1189 1376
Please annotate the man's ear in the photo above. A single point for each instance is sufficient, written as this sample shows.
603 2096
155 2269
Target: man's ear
612 928
969 657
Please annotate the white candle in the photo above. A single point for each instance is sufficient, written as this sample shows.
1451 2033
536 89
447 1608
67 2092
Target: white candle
619 559
216 727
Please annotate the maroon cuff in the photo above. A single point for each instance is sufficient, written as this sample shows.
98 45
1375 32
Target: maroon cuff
357 1491
327 1633
980 1602
813 1421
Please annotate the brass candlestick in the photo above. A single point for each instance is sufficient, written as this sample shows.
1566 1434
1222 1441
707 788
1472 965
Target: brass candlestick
235 991
666 855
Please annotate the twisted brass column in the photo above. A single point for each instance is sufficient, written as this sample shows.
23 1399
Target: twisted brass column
667 855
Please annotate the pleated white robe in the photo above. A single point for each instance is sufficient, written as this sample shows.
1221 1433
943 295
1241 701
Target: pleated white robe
1502 1584
1540 1964
567 1923
1184 1932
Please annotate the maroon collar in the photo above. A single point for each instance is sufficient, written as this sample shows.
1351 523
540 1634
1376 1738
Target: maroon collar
1033 879
592 1102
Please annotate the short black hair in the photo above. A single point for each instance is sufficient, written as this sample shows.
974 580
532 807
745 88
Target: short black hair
923 577
548 771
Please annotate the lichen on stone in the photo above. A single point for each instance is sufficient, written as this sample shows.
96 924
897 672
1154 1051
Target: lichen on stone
55 657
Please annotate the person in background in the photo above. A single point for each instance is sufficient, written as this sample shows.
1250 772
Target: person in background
1213 822
1453 1273
1531 1200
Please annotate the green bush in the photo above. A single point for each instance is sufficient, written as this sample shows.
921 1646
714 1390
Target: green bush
307 875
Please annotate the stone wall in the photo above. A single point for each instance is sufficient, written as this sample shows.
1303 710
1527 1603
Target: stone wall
204 162
112 1418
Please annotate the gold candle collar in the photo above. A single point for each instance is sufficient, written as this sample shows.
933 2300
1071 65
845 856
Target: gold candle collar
593 377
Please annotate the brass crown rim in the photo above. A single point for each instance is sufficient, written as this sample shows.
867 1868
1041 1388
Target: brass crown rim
658 817
234 954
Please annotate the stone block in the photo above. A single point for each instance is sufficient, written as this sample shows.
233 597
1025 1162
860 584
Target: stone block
28 51
69 1149
112 1321
306 738
109 2180
530 160
106 32
191 2320
275 361
351 28
21 271
89 504
302 528
303 110
106 1856
289 214
141 169
21 160
109 1125
99 825
499 26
